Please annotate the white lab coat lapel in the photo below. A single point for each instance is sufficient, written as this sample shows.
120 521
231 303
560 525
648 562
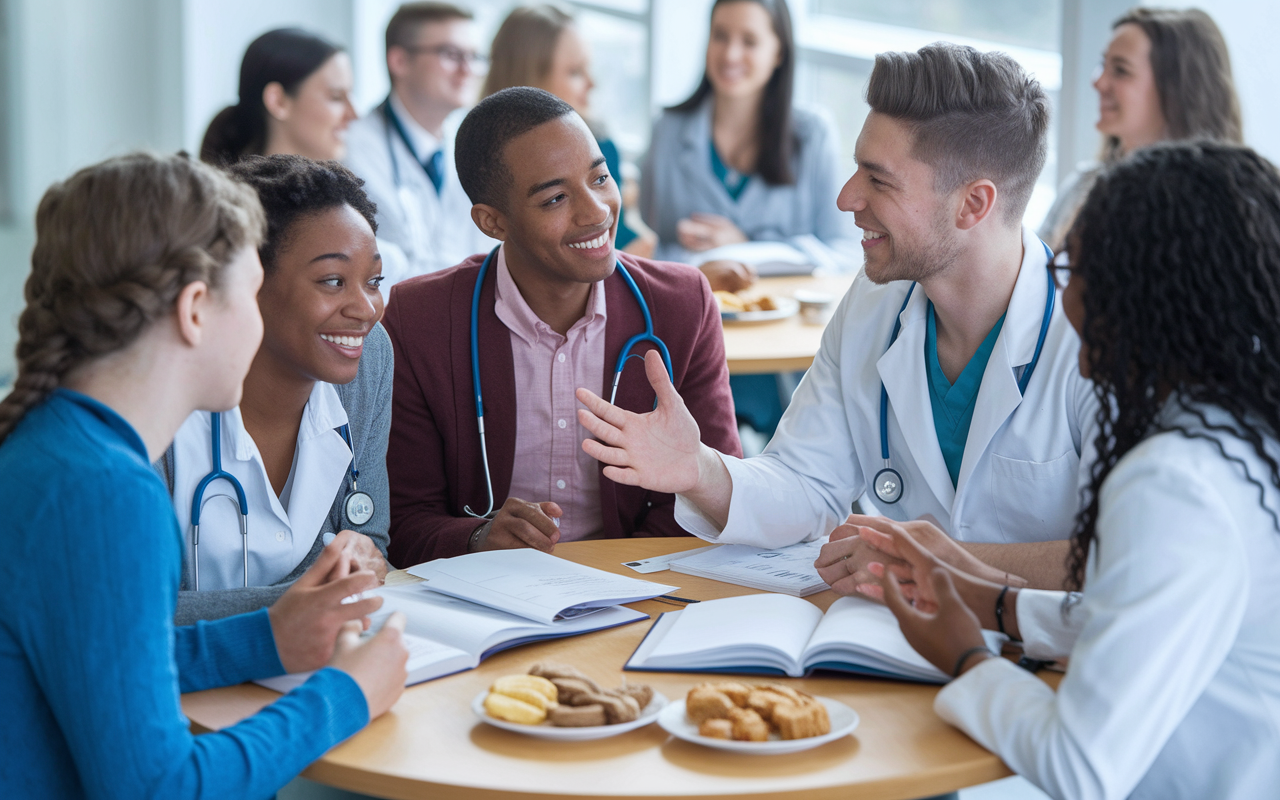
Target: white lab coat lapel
902 369
998 397
322 461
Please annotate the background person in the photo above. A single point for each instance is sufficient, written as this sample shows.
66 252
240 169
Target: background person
403 149
295 97
1166 76
736 162
134 320
324 363
540 46
554 314
1173 680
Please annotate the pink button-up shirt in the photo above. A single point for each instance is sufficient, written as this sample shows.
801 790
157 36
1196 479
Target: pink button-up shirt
550 463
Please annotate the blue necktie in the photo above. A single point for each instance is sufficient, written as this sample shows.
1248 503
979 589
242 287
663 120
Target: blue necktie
434 165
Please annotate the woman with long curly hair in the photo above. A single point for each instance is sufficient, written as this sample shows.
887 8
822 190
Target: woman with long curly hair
1173 684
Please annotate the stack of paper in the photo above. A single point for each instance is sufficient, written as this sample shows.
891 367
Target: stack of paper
788 570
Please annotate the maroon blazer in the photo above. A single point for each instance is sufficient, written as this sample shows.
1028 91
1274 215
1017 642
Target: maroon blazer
433 456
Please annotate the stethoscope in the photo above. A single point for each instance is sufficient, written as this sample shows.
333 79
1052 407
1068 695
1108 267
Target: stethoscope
357 505
646 336
888 483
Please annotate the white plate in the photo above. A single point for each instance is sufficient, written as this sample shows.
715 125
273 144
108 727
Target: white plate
548 731
677 723
786 307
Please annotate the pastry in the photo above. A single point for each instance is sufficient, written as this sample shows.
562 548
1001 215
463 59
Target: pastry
642 693
535 691
569 690
801 721
716 728
706 702
510 709
748 726
617 709
577 716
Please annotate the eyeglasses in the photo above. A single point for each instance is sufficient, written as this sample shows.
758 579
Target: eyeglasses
455 56
1060 269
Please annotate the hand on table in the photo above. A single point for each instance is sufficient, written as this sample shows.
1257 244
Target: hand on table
306 619
522 524
728 276
368 556
376 664
698 232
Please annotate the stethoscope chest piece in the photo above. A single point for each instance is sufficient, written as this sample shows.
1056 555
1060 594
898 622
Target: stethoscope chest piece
888 485
359 508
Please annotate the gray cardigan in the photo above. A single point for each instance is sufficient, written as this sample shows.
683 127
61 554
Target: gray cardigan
367 401
676 181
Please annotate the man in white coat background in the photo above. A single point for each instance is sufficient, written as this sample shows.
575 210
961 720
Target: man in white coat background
950 352
403 148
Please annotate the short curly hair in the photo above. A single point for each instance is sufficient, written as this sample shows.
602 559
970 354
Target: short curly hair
291 187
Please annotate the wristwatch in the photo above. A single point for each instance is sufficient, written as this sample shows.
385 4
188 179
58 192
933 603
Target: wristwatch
477 536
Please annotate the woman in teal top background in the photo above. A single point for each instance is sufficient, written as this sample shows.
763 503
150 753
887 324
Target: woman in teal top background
140 310
540 46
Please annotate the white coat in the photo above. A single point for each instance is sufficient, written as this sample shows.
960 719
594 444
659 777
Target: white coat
419 231
1021 473
279 538
1173 688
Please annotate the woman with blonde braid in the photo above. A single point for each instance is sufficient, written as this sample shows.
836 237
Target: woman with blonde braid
140 310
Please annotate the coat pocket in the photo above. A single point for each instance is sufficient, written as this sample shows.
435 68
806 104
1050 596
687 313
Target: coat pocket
1035 501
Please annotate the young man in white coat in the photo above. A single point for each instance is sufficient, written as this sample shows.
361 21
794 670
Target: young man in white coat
403 148
951 352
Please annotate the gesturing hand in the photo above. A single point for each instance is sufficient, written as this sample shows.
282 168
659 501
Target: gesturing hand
376 664
305 620
658 450
698 232
728 276
521 524
367 555
940 631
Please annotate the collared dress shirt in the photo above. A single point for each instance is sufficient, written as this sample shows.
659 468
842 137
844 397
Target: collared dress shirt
550 463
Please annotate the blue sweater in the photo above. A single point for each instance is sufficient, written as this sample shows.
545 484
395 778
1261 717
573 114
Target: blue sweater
91 665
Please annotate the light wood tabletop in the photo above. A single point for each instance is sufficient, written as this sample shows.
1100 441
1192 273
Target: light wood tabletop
785 345
432 745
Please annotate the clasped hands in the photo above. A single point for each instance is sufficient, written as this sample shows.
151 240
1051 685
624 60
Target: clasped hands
942 596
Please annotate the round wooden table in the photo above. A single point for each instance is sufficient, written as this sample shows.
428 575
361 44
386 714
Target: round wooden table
431 745
785 345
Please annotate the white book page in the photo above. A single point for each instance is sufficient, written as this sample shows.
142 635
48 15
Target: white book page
764 622
786 569
532 584
427 659
854 624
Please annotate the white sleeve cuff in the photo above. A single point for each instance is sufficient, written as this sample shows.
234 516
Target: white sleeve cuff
1049 629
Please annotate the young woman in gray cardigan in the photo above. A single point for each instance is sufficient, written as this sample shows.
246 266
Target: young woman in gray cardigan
308 442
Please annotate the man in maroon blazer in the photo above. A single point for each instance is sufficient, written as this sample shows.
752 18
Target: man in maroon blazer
554 314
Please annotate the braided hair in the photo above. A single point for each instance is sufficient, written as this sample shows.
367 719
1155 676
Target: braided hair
115 245
1178 248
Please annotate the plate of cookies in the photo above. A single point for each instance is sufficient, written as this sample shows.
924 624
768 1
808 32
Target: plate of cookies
754 307
557 701
765 718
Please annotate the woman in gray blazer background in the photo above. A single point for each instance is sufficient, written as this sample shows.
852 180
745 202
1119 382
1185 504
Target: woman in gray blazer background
736 162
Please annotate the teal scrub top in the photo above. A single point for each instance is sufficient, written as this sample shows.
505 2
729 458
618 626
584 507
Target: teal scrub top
953 403
734 182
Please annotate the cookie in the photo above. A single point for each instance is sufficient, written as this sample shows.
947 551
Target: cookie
642 693
535 691
748 726
510 709
577 716
801 721
716 728
704 702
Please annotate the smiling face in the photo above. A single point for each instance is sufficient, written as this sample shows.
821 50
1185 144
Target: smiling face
743 50
322 296
313 122
561 209
570 74
908 227
437 70
1128 102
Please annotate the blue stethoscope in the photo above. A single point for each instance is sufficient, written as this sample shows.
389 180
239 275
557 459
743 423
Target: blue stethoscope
646 336
394 124
888 481
358 505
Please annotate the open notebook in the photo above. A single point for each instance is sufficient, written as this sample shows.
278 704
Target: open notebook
780 634
445 635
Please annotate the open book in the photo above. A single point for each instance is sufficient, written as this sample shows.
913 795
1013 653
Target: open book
780 634
445 635
533 584
770 259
